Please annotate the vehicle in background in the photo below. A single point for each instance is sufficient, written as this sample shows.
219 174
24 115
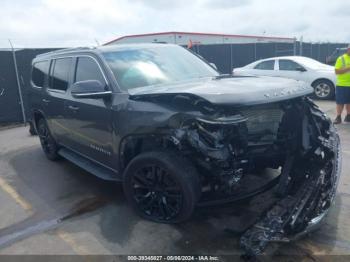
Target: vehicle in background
320 76
330 60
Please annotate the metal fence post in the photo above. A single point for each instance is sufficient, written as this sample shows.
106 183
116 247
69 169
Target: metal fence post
295 46
18 83
254 51
231 63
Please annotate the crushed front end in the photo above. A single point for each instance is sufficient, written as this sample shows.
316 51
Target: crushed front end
291 136
307 185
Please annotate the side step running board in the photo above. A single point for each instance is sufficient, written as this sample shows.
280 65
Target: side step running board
88 165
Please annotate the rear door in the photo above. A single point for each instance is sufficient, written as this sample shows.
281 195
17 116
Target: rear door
54 98
90 120
38 82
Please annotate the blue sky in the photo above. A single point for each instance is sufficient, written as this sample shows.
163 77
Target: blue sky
54 23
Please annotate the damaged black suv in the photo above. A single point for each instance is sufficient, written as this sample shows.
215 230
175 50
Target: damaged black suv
180 135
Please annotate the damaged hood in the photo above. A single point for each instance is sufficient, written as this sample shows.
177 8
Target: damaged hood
230 91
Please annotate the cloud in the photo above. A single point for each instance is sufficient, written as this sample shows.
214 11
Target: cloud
49 23
161 5
223 4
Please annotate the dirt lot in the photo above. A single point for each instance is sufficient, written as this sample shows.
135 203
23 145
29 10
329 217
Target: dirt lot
57 208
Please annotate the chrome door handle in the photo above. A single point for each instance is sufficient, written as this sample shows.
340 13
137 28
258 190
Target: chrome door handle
46 101
74 108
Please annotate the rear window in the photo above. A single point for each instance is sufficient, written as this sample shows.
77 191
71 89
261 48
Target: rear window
60 73
39 73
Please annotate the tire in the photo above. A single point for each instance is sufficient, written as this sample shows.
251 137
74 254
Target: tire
47 142
162 186
32 130
323 89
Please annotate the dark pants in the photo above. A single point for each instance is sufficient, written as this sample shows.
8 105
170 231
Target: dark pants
342 95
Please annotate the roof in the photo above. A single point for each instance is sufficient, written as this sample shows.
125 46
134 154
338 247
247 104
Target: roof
120 47
201 34
65 50
131 46
294 57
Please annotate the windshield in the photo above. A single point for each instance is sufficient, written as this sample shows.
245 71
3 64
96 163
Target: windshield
161 64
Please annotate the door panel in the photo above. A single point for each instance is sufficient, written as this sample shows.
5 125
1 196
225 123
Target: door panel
288 69
38 83
264 68
90 120
54 98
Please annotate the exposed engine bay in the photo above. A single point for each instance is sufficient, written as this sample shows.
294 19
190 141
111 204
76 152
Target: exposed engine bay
292 136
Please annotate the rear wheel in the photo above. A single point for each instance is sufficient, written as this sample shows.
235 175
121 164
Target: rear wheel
48 143
32 130
323 89
162 186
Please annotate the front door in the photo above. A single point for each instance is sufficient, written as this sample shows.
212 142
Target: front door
264 68
89 120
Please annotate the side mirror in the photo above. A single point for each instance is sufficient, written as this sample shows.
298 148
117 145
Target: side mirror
89 89
300 69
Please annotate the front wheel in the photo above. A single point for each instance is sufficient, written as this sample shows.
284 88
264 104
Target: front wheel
162 186
323 89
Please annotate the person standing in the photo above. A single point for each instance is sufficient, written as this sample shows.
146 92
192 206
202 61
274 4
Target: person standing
342 91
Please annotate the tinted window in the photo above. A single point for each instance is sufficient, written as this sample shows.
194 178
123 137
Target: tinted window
288 65
88 69
266 65
60 74
39 72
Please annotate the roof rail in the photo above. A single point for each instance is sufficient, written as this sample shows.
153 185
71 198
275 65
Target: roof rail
65 50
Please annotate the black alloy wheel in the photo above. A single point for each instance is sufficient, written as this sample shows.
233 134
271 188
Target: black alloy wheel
157 193
162 187
47 142
32 130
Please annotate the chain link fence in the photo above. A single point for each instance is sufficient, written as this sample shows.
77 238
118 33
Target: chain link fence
15 69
